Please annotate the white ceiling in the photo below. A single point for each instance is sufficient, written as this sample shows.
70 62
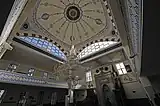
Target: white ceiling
72 20
110 58
67 22
27 56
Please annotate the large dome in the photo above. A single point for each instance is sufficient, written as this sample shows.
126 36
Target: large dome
71 21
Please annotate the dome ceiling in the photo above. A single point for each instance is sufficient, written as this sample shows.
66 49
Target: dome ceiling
71 21
67 22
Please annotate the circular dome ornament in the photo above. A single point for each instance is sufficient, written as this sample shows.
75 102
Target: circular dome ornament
62 19
73 13
97 72
106 69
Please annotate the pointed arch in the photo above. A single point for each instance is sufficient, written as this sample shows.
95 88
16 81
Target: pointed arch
93 48
44 45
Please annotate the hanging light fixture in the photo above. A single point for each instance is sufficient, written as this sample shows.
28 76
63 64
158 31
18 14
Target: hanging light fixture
72 69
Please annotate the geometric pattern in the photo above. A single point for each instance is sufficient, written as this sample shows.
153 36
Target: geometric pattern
95 47
71 21
44 45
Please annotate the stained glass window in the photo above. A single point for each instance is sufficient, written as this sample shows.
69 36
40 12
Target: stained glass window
95 47
44 45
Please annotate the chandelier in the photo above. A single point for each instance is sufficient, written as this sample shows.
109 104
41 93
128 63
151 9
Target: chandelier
72 69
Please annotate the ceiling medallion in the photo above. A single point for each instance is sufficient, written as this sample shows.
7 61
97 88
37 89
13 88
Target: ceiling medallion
73 13
65 19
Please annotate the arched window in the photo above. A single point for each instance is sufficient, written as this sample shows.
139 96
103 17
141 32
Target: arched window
95 47
44 45
88 76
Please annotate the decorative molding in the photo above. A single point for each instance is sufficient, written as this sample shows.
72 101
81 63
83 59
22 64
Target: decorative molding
111 16
134 9
134 12
16 78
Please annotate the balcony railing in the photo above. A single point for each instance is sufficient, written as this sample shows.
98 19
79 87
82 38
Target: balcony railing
16 78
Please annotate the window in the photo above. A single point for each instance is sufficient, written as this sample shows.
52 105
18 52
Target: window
30 72
121 69
95 47
44 45
88 76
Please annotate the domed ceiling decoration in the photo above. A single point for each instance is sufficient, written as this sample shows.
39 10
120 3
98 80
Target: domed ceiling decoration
71 21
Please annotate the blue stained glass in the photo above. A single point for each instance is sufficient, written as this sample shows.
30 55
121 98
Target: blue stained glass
57 50
61 52
28 39
35 38
39 45
49 47
50 44
56 54
54 48
41 40
34 41
45 45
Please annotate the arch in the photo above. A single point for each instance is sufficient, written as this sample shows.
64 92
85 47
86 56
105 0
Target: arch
93 48
44 45
105 87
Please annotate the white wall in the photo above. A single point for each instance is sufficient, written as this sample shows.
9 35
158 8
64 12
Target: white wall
134 86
